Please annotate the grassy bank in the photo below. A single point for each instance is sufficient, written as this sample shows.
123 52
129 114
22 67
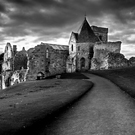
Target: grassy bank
124 78
27 107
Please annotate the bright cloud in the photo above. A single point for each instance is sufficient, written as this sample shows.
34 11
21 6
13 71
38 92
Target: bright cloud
30 22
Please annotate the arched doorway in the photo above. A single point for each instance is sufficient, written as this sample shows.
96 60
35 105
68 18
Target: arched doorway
82 63
40 76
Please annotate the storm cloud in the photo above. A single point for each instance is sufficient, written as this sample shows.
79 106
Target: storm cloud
36 21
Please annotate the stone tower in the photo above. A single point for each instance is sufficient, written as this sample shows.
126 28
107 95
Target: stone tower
81 46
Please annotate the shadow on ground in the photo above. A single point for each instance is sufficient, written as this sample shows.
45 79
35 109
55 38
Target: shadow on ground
69 76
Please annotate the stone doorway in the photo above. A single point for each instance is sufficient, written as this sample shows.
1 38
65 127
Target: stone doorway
82 63
40 76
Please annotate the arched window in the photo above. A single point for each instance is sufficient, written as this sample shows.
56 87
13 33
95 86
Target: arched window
72 60
47 53
40 75
78 48
72 48
82 62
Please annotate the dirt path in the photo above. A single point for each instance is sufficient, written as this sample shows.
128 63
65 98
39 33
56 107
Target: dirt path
105 110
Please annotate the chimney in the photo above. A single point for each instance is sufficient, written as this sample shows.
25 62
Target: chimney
14 50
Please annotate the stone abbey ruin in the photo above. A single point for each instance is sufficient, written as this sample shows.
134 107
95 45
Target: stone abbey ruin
87 50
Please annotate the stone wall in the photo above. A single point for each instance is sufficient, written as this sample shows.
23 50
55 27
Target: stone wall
57 63
102 54
111 60
7 66
47 59
36 61
116 60
18 76
102 49
20 60
84 50
8 58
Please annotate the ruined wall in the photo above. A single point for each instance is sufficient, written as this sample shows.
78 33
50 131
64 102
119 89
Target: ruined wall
8 58
36 61
112 60
20 67
116 60
47 59
102 49
20 60
18 76
95 64
57 62
7 66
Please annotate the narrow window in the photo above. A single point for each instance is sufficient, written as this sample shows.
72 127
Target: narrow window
72 60
72 48
78 48
47 53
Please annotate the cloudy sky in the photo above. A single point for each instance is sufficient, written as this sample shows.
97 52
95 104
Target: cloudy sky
30 22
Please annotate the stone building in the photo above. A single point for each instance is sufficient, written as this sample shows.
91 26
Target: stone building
39 62
14 66
85 45
47 60
88 49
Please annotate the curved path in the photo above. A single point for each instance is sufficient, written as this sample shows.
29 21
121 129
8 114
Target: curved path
105 110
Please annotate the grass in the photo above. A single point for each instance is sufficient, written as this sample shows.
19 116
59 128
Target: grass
27 107
124 78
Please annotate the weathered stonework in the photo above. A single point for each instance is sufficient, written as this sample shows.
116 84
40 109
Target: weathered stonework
20 60
36 61
45 59
48 59
84 52
102 51
14 66
95 64
7 66
89 48
116 60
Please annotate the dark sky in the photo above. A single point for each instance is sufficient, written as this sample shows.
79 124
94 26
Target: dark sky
30 22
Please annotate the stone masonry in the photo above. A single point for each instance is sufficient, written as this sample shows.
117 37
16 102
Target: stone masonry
88 49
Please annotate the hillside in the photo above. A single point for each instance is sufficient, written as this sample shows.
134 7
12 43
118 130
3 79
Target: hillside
26 107
124 78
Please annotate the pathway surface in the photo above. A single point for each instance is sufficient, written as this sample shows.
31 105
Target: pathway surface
105 110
